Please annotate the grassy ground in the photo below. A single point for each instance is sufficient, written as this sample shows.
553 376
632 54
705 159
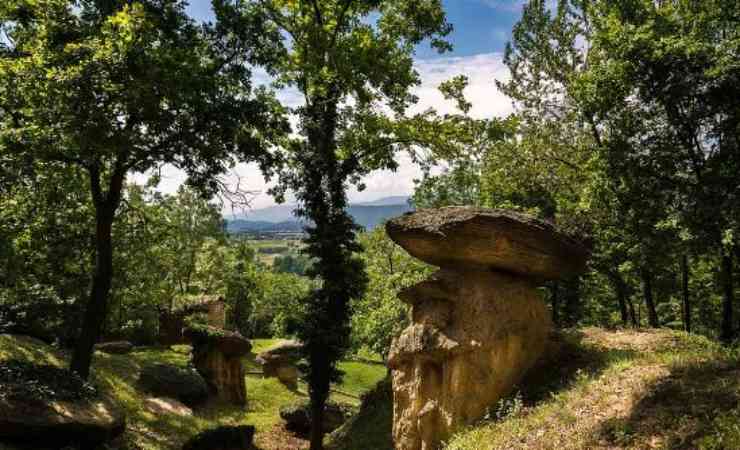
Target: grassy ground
604 390
621 390
149 429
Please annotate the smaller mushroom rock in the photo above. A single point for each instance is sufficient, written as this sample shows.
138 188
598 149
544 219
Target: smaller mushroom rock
217 357
280 361
493 239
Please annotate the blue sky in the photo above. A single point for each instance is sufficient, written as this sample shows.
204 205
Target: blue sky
482 28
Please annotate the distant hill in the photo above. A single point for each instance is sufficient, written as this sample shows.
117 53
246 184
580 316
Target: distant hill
261 226
386 201
280 218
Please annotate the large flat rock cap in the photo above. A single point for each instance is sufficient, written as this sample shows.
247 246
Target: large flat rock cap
488 239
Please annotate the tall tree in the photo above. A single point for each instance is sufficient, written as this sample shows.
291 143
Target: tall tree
348 59
113 87
675 60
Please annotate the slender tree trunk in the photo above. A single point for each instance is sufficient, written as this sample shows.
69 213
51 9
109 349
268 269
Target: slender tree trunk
92 323
647 289
685 289
620 290
554 297
727 333
106 204
633 314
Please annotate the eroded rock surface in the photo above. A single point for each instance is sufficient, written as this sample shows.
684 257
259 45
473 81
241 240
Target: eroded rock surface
489 239
217 357
479 323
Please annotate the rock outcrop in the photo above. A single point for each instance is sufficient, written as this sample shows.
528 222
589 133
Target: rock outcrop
217 357
43 406
280 361
183 384
223 438
297 417
479 323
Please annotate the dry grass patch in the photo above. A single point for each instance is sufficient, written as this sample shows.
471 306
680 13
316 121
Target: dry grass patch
620 390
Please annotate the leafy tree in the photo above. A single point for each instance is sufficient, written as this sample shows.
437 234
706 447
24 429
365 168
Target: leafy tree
109 87
347 58
670 62
379 316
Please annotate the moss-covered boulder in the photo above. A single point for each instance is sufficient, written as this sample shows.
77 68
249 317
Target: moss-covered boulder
223 438
42 405
297 416
183 384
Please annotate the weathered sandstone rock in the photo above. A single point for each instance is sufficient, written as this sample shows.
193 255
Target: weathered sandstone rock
217 357
479 323
280 361
489 239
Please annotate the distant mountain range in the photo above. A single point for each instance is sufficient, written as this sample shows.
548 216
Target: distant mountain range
280 218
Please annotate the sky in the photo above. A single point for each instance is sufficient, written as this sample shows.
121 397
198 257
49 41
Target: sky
481 30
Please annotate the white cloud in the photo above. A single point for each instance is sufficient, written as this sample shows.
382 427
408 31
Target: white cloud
482 71
505 5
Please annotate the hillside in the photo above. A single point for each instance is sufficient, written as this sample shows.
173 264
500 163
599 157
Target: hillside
155 425
605 390
280 218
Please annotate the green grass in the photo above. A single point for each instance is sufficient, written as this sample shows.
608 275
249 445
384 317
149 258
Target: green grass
360 377
624 390
117 375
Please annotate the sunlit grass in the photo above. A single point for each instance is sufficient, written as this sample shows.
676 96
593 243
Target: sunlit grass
117 375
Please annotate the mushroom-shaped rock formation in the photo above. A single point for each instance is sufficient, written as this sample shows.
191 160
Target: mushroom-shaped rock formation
217 357
479 323
280 361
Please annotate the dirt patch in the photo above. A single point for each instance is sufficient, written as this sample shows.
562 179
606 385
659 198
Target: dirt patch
278 438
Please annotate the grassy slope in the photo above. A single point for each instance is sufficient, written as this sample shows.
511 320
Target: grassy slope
149 430
621 390
604 390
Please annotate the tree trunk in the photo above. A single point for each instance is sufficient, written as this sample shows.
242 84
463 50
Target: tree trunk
554 288
94 318
633 314
727 333
106 204
621 291
317 425
685 288
647 289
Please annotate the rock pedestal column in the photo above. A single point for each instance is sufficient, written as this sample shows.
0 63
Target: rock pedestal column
479 323
217 357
